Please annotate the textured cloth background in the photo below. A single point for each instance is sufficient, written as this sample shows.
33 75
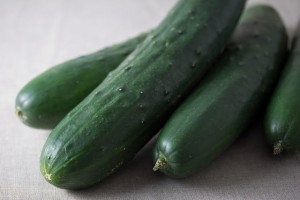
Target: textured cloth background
36 34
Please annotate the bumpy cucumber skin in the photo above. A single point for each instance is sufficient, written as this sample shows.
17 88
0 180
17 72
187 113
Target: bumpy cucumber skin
282 125
214 115
45 100
122 114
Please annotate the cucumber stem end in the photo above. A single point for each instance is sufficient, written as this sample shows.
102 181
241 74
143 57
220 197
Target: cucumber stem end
160 164
278 148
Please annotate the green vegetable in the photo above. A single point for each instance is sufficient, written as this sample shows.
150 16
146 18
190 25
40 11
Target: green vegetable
216 113
283 118
45 100
122 114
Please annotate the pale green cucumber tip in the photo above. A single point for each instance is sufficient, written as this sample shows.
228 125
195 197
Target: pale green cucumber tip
48 177
278 148
20 114
160 164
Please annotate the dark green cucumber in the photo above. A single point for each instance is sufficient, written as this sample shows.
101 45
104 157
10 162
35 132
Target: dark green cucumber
122 114
45 100
214 115
283 118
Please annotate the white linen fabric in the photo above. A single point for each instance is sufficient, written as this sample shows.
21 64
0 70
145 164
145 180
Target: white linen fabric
36 34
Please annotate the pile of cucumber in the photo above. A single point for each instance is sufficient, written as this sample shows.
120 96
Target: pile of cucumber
198 78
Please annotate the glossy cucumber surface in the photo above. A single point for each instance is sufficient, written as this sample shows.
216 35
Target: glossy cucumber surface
217 112
282 123
127 109
48 98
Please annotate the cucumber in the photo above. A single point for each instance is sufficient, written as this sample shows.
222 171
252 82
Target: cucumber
216 113
45 100
282 124
122 114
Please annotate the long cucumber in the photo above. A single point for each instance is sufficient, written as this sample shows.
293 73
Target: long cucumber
122 114
217 112
282 123
45 100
